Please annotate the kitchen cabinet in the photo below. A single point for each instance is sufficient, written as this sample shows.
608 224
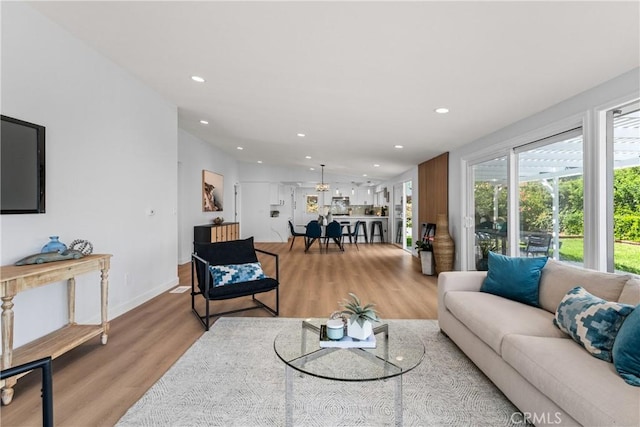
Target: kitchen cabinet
361 196
276 194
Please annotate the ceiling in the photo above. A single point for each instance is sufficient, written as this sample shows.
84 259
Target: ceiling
357 78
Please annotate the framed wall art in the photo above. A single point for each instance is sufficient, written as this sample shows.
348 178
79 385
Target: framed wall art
212 191
312 204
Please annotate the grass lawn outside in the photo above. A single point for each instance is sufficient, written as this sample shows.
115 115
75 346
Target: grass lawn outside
626 256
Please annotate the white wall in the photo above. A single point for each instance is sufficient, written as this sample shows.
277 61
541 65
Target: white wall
111 153
194 156
580 109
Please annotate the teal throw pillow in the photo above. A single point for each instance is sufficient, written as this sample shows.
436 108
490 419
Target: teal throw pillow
591 321
626 349
236 273
514 278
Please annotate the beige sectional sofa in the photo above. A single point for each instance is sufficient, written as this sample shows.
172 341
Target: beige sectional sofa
547 375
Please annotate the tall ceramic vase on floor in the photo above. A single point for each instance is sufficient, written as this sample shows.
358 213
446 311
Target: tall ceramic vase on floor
443 246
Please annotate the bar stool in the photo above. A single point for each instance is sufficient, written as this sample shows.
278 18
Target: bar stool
363 227
399 232
376 225
347 225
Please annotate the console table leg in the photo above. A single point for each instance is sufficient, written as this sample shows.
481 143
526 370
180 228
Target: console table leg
104 302
7 347
71 299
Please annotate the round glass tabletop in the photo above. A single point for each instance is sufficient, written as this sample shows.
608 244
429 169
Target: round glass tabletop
397 351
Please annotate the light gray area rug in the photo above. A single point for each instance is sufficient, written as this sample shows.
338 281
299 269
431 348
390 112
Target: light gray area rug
232 377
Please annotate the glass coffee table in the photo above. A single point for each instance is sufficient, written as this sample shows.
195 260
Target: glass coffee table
397 351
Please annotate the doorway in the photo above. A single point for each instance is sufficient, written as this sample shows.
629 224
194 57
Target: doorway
403 215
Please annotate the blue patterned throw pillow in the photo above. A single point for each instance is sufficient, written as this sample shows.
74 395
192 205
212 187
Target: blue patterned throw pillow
591 321
236 273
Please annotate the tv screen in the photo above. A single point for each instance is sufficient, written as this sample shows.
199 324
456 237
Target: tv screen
22 162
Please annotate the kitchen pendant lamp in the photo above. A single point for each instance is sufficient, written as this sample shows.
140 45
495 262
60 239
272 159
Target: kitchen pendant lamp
322 186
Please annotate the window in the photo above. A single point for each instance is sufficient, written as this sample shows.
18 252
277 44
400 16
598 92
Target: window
489 207
551 197
623 143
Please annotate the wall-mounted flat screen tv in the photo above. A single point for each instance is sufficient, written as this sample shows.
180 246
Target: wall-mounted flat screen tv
22 162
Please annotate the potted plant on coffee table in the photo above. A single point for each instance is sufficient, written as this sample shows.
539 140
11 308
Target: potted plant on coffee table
425 253
359 324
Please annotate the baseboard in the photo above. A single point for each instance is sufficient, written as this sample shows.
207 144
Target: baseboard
141 299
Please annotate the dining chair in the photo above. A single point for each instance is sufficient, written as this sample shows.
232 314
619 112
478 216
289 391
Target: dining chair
353 236
333 231
313 233
294 234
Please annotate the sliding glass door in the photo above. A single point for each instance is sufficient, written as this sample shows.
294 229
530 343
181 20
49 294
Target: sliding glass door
490 210
623 138
551 197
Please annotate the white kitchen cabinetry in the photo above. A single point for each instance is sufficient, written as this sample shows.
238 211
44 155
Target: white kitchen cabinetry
363 196
276 194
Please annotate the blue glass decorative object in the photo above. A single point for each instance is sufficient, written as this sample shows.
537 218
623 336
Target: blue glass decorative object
54 245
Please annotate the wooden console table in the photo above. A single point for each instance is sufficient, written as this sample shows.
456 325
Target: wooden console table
15 279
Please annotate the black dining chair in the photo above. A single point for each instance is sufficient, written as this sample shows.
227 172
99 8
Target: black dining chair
313 233
353 236
333 231
294 234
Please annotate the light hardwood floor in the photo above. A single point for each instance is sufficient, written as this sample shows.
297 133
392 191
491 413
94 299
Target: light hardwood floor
94 385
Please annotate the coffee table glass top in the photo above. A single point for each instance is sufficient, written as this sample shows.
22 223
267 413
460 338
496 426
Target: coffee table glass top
397 351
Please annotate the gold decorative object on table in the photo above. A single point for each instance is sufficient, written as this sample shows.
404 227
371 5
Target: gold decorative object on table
443 245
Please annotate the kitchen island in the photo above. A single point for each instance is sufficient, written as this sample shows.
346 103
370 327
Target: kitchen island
368 219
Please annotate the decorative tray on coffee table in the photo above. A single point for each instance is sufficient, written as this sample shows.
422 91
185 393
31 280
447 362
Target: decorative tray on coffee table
345 341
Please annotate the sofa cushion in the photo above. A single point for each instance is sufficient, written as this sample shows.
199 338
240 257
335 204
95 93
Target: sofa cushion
558 278
626 349
587 388
591 321
491 317
630 292
514 278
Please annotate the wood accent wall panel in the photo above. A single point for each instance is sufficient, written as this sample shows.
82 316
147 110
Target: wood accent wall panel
433 188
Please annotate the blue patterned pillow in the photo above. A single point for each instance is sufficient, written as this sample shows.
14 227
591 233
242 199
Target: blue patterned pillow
236 273
591 321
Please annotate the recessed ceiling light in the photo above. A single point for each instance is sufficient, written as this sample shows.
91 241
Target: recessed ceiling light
307 157
197 79
204 122
260 161
398 146
441 110
302 135
240 148
364 174
312 169
376 165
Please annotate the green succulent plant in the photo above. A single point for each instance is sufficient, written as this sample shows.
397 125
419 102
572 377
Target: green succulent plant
357 312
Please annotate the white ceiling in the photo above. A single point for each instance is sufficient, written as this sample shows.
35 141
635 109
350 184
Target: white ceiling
358 77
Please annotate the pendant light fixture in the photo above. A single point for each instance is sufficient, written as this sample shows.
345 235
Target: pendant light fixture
322 186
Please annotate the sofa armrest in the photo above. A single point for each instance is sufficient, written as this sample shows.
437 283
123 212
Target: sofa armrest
458 281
